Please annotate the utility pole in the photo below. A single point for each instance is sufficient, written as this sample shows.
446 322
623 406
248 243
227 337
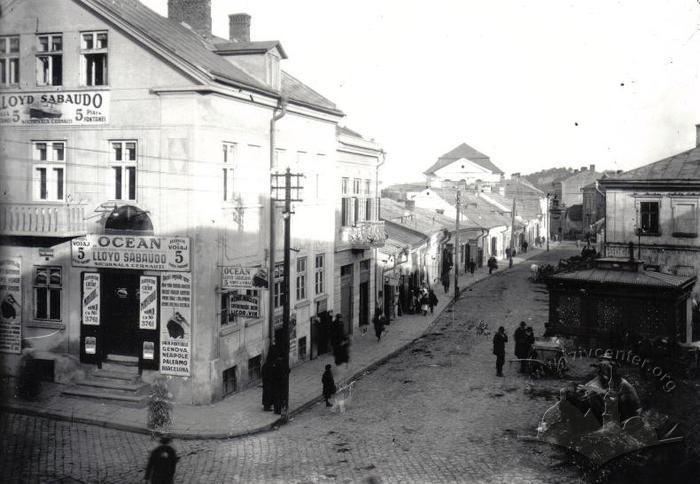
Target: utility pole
456 261
549 230
283 345
512 234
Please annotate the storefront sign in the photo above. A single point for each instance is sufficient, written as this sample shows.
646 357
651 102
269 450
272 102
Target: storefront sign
175 323
73 108
148 291
11 305
132 252
91 298
237 277
46 252
245 306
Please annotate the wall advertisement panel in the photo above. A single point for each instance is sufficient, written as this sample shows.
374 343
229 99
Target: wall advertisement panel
91 299
149 301
11 305
175 323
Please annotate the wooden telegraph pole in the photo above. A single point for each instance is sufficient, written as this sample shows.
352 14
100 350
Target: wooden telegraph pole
291 183
456 261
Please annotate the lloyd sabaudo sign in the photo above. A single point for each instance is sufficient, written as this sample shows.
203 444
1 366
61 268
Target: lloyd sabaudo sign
77 108
132 252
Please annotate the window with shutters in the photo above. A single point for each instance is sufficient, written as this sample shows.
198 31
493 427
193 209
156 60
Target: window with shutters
278 299
301 278
649 217
93 58
123 164
319 274
49 60
47 293
685 219
49 170
9 60
228 160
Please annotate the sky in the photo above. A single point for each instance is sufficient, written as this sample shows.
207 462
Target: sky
534 84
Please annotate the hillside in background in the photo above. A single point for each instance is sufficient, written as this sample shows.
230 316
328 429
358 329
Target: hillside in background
543 179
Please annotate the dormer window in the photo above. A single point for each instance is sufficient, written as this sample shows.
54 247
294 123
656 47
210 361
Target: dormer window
272 70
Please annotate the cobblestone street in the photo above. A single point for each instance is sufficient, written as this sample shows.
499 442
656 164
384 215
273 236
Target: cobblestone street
434 413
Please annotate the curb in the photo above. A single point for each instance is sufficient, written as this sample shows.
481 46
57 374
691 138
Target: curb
358 375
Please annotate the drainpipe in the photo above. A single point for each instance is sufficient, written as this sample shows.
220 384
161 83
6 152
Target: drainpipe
277 114
376 250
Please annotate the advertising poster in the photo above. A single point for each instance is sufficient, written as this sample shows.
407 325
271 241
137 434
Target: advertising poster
132 252
71 108
245 306
175 323
91 299
11 305
242 278
148 291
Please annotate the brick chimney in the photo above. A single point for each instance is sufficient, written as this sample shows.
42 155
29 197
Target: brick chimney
697 135
195 13
591 167
239 27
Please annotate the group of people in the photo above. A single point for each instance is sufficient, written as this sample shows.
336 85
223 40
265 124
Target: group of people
274 372
524 338
420 300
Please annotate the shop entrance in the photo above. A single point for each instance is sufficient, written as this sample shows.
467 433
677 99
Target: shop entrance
120 312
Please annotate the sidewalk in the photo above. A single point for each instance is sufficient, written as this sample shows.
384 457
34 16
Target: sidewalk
241 414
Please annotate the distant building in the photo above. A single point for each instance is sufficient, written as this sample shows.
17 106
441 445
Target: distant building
567 202
593 207
465 166
656 208
358 229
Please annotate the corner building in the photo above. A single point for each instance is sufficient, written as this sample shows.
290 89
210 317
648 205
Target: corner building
135 168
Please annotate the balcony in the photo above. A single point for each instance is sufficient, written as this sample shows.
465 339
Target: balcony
42 219
364 235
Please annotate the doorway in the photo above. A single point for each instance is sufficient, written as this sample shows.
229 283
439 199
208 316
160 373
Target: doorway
120 312
346 283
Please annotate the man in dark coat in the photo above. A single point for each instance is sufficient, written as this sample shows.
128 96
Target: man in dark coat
493 265
267 380
499 349
161 463
521 350
280 374
432 300
378 321
329 388
339 341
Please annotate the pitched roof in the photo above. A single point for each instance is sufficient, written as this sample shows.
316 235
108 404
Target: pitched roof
684 166
467 152
193 51
478 212
525 207
627 278
255 47
402 236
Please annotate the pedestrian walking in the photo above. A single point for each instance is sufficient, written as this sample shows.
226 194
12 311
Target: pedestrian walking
432 300
472 267
446 281
521 351
492 264
499 349
267 379
424 302
525 245
161 463
329 388
378 321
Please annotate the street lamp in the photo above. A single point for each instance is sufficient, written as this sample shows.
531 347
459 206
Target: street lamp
549 222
